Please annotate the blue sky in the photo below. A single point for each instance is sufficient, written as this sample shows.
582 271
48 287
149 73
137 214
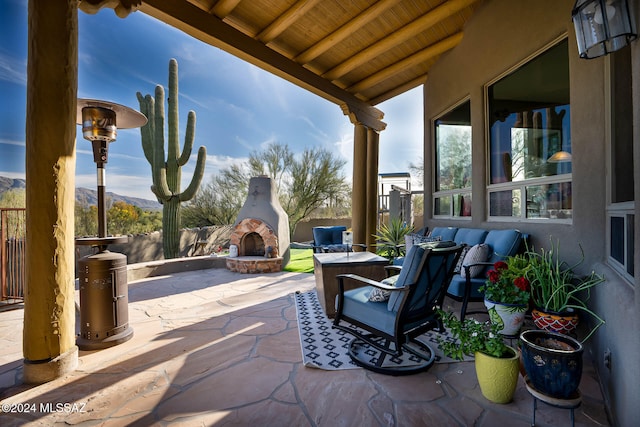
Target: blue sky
239 107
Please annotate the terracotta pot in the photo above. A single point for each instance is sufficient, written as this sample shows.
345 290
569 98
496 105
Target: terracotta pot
553 362
509 316
497 377
562 323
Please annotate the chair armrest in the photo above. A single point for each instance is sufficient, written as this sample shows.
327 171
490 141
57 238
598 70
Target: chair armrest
392 270
478 263
467 270
304 245
369 282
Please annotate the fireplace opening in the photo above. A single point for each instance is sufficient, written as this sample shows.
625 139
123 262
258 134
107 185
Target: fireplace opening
251 245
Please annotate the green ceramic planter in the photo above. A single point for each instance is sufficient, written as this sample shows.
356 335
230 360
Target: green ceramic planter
498 377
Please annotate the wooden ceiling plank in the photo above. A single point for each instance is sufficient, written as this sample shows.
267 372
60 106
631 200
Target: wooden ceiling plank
222 8
285 20
410 61
345 31
213 31
399 90
407 32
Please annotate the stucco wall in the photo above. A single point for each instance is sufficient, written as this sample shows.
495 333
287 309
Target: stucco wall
502 34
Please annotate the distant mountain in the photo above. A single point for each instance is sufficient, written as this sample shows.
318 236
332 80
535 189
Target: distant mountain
90 197
7 184
86 196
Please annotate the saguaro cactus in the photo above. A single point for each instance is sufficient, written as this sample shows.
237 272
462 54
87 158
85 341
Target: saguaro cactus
166 174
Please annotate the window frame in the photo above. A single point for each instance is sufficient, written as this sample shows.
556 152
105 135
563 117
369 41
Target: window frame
452 194
624 209
520 185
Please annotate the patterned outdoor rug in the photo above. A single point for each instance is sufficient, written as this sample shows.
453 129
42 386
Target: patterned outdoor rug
325 347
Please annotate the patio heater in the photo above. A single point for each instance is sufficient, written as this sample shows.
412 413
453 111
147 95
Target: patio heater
104 317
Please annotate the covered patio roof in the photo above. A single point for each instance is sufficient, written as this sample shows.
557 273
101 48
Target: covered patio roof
355 54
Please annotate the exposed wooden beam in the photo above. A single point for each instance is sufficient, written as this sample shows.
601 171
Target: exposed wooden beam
285 20
410 61
405 33
122 8
345 31
224 7
213 31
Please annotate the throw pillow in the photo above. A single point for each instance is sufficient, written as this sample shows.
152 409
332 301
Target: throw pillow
380 295
477 253
417 239
458 267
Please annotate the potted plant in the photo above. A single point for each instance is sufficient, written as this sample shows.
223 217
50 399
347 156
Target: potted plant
552 362
390 238
497 364
558 295
552 359
506 293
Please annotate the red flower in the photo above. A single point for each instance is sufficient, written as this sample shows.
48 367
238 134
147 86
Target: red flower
500 265
493 276
521 283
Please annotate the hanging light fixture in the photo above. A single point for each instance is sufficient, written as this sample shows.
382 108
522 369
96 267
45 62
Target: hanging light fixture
602 26
560 157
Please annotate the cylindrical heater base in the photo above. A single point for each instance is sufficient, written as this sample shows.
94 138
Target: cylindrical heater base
104 316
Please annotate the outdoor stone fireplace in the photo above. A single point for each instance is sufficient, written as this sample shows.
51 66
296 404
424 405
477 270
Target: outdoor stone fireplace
261 231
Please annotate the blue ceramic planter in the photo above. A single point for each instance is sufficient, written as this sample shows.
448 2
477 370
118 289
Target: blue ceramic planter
553 362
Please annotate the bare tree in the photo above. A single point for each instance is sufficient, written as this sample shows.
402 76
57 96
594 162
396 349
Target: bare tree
316 176
305 182
417 170
219 201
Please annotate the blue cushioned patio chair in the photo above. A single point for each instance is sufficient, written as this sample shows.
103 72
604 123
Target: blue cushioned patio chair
502 244
329 239
392 326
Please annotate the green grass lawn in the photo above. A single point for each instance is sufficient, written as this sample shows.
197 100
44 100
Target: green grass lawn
301 261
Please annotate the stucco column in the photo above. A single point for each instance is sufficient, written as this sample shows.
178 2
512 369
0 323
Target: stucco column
373 142
52 80
359 185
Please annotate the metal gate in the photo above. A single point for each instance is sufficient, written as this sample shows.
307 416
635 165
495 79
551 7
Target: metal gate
12 254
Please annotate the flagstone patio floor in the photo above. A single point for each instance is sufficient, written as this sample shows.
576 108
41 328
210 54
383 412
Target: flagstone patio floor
216 348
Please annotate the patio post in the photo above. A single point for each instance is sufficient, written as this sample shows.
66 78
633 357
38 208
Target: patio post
52 80
359 182
373 145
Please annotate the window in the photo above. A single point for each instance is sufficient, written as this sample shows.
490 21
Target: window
452 195
530 140
621 207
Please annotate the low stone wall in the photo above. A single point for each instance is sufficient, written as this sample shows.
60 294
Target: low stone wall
254 264
148 247
170 266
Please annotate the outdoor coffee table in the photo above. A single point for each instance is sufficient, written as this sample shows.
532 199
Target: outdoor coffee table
328 265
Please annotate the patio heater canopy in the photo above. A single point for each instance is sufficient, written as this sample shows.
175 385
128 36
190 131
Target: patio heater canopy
127 117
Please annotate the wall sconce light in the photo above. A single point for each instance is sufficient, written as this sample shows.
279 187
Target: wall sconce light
602 26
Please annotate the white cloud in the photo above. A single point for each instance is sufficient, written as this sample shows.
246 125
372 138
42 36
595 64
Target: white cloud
13 175
244 143
13 70
13 142
88 181
129 185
